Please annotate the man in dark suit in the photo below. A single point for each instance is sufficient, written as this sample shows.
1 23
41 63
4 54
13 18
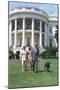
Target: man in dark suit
35 53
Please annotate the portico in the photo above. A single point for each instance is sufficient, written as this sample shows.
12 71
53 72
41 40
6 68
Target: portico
25 29
30 26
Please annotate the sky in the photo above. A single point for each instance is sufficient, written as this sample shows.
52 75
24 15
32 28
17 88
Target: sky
51 9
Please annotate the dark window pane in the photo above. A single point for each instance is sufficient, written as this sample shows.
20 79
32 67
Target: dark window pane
36 24
50 42
43 26
28 23
50 29
19 24
43 40
13 25
56 26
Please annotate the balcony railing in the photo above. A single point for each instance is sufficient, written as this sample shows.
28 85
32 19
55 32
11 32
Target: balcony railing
19 27
28 27
36 28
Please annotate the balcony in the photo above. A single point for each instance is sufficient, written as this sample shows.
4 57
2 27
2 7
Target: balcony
28 24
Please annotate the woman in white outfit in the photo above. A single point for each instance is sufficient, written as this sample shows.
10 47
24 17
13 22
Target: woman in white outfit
23 57
30 58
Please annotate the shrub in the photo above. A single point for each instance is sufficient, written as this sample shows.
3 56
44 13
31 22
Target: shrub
18 55
11 54
49 52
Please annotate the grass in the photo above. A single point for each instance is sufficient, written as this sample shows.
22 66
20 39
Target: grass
19 79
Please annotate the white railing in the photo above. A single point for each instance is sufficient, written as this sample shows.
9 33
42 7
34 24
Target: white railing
53 18
33 10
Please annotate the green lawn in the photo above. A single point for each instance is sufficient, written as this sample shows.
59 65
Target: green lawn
17 78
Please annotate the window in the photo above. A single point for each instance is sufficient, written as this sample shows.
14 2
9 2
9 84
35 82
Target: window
36 39
28 40
57 27
28 23
50 42
50 29
43 40
19 24
13 25
20 42
43 26
12 39
36 24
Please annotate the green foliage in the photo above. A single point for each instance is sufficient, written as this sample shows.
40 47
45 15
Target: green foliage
49 52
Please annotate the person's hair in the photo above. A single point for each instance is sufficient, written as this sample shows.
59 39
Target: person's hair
29 48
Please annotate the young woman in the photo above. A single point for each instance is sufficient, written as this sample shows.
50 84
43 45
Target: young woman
30 58
23 58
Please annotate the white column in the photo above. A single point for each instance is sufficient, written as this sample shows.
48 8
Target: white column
46 34
54 42
15 34
10 36
40 37
23 33
32 32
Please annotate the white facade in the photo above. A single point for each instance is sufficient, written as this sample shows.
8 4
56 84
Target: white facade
31 25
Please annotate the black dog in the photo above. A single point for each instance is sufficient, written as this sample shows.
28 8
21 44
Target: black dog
47 66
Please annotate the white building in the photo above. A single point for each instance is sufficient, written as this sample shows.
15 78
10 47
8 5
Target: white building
31 25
